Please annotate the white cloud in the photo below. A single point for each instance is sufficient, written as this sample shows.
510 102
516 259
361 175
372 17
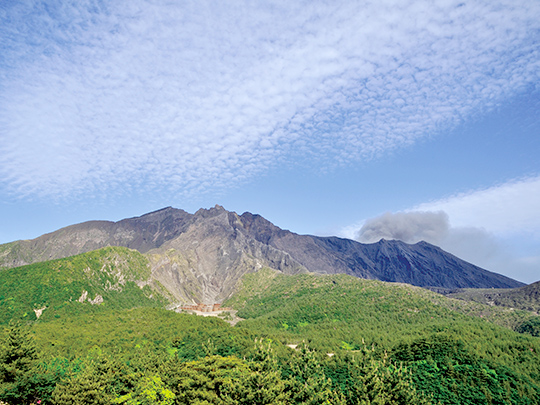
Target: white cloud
197 95
506 209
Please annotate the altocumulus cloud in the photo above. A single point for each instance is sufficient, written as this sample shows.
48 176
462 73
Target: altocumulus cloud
189 96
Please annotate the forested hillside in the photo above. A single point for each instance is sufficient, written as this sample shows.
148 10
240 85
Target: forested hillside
306 339
433 335
113 277
524 298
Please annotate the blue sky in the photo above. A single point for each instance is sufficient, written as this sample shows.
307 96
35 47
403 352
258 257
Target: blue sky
395 119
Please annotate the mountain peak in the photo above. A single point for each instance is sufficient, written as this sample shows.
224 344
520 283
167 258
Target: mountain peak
210 212
162 212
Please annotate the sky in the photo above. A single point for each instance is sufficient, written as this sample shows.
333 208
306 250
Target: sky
407 120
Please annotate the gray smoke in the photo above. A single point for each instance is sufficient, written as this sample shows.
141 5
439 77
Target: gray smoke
409 227
474 245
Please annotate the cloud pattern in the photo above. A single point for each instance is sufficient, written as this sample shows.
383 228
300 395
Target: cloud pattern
100 98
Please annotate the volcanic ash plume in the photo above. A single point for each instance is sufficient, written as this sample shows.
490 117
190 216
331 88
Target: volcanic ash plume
409 227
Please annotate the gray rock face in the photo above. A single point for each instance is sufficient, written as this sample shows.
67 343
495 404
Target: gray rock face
200 257
211 256
420 264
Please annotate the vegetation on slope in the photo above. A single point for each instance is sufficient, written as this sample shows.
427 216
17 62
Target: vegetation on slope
526 298
154 356
358 342
114 277
318 305
455 358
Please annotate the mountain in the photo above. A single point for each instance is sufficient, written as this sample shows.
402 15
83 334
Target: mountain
420 264
201 257
435 337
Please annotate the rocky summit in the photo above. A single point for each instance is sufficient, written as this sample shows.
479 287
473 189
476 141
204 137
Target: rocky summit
200 257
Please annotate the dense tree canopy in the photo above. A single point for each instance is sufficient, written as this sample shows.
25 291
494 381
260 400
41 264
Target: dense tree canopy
305 340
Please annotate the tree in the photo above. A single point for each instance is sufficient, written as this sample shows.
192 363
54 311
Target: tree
228 380
309 384
368 377
382 383
99 380
87 387
264 384
149 391
18 360
531 326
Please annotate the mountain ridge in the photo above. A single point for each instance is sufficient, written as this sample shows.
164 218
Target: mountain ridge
200 257
377 260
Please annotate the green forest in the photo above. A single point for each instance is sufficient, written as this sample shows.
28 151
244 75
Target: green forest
302 339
